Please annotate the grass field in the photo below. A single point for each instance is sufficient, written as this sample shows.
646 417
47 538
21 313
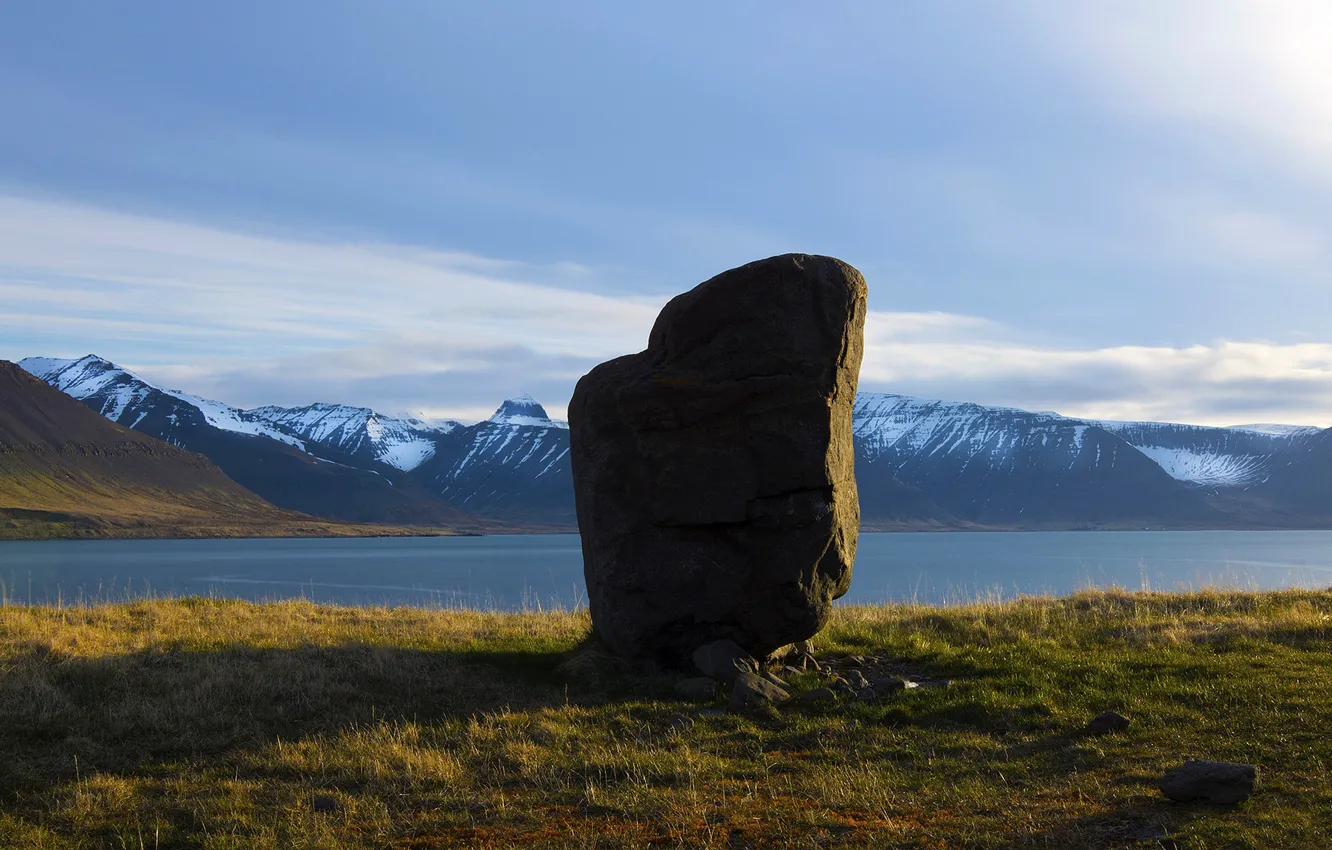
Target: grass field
202 723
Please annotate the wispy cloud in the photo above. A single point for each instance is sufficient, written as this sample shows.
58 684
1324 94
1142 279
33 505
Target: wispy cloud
1222 383
257 319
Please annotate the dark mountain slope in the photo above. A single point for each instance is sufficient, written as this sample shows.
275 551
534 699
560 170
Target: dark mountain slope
314 479
1302 486
64 467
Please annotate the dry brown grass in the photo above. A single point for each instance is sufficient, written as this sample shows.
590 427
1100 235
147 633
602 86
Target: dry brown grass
198 723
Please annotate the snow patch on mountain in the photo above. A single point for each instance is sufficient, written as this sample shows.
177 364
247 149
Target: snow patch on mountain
1216 470
1209 456
401 443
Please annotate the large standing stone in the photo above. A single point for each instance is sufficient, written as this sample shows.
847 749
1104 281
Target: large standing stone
713 472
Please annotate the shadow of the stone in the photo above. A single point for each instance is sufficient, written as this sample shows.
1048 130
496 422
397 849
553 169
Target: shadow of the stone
61 714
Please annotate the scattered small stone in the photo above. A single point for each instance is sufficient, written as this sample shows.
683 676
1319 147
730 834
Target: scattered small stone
698 689
325 804
680 724
1107 722
791 671
818 696
776 681
857 660
723 660
750 690
866 694
1213 781
857 680
892 685
840 684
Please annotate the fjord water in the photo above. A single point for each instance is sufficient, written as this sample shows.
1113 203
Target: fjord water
517 571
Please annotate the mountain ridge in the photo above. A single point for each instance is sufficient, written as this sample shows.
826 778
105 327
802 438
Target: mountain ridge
921 463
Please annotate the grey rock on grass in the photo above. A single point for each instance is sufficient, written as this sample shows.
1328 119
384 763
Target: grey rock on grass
1107 722
750 690
818 696
1220 782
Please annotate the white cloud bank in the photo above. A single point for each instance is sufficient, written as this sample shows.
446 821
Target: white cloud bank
255 319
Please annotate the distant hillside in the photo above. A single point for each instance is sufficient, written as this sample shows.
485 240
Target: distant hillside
324 471
66 471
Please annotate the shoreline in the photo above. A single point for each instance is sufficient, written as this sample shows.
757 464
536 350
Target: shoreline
421 533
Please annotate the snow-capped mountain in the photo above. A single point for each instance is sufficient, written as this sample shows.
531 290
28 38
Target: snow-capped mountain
1002 466
920 462
512 466
359 432
128 400
262 455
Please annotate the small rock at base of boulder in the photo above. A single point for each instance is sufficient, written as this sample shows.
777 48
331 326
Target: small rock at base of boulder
837 683
857 680
772 677
1107 722
1212 781
723 660
700 688
818 696
749 690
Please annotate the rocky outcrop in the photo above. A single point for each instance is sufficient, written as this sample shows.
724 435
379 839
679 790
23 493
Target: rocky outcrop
713 472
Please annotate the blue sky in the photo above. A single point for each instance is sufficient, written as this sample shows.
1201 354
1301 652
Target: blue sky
1107 209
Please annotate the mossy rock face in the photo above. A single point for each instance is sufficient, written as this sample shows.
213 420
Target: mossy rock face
714 472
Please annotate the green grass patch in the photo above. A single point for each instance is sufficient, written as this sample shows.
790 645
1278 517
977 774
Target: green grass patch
218 724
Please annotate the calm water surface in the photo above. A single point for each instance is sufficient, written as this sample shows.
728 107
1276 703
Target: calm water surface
546 570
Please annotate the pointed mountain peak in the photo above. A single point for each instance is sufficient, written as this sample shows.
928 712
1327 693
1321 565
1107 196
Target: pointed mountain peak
524 407
79 378
524 410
